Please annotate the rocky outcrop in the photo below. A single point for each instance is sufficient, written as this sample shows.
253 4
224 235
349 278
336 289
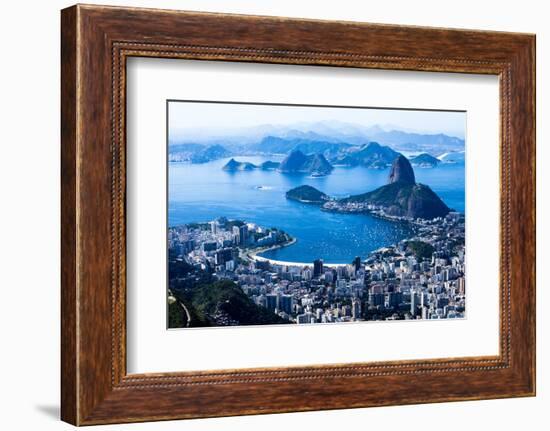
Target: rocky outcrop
298 162
233 166
401 171
401 197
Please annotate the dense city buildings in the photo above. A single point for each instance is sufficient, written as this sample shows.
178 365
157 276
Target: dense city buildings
421 277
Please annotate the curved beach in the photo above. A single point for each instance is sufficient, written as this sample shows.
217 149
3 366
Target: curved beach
253 255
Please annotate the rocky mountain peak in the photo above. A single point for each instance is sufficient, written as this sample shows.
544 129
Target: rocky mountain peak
401 171
297 161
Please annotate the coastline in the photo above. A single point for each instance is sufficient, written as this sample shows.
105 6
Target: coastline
379 215
253 255
305 201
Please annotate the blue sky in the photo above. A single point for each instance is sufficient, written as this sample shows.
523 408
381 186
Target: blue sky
199 119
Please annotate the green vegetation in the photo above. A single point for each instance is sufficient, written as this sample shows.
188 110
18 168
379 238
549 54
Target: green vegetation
399 199
390 252
176 315
227 297
421 250
374 313
385 195
307 194
209 302
232 223
179 269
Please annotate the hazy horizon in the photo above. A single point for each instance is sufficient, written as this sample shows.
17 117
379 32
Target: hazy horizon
194 120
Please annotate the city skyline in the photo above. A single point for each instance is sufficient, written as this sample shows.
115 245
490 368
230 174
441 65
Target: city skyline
289 290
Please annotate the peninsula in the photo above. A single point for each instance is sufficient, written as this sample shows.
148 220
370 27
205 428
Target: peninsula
402 198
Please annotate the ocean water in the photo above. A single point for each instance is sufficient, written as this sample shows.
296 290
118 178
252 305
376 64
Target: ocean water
199 193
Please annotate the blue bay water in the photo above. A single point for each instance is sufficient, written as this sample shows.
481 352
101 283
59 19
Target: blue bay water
199 193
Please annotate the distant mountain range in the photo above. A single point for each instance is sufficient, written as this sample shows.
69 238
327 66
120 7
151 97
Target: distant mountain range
267 138
184 152
197 153
417 142
277 145
371 155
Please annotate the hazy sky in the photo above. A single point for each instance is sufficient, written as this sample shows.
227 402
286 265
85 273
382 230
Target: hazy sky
189 118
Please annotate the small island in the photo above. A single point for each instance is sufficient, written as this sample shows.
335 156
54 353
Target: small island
307 194
298 162
424 160
269 165
234 166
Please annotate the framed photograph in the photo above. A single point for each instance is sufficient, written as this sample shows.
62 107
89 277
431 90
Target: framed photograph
267 215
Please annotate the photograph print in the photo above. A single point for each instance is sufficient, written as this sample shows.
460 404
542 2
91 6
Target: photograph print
297 214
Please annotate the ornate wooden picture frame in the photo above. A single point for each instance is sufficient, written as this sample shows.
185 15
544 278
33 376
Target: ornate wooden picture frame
96 41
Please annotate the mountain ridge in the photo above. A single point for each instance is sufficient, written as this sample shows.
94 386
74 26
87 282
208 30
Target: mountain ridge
402 139
401 197
330 132
298 162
